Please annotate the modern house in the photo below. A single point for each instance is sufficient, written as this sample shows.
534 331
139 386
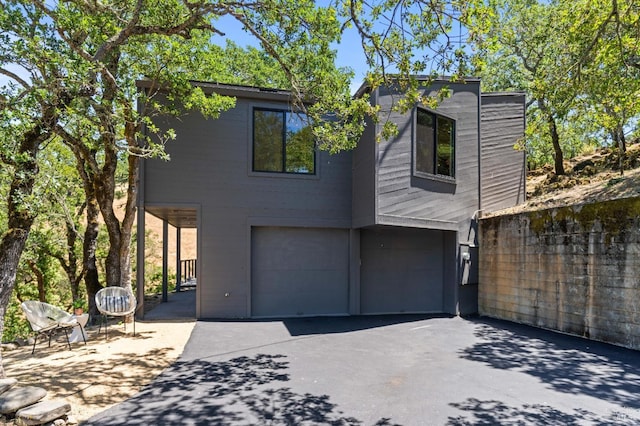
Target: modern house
285 230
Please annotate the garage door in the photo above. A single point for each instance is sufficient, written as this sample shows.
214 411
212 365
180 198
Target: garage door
299 271
401 271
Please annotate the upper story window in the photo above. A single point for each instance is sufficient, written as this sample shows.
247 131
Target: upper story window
282 142
435 144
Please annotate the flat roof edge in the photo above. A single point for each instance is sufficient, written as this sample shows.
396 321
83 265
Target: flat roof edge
231 90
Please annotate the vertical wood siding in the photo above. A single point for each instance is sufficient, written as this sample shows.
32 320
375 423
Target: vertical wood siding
364 179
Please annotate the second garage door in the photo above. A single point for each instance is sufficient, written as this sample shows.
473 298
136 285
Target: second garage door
401 271
299 271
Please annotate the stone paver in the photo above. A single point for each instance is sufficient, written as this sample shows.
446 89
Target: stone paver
19 397
6 384
43 412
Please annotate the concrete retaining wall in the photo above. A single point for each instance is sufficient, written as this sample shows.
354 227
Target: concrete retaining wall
574 269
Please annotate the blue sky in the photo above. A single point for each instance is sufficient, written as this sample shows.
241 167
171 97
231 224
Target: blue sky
350 52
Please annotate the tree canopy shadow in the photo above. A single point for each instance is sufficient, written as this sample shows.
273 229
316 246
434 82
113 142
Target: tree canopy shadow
284 407
237 391
491 412
567 364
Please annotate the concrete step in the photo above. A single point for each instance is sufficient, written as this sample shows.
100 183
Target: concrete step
20 397
42 412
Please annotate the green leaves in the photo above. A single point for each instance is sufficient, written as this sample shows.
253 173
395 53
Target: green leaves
570 59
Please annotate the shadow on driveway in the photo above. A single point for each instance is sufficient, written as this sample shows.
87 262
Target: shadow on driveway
328 325
568 364
387 371
491 413
210 393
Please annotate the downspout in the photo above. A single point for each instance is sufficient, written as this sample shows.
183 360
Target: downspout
479 211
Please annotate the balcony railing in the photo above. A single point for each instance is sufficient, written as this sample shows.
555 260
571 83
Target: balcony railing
188 273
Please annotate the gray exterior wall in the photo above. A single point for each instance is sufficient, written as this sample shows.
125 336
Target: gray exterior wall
211 166
364 179
386 192
353 195
405 200
503 174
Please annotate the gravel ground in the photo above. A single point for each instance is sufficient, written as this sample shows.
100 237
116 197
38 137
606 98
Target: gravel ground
104 372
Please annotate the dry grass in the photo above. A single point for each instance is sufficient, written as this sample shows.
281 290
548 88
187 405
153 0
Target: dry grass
104 372
589 178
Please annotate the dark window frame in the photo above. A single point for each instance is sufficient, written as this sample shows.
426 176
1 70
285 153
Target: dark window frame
283 166
434 158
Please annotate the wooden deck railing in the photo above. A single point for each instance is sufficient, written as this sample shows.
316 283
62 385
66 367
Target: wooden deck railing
188 273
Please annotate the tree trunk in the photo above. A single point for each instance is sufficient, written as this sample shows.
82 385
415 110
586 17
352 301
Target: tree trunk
42 294
91 278
620 143
119 258
105 183
105 194
558 156
20 218
622 148
84 158
72 260
11 247
118 263
120 233
130 209
69 260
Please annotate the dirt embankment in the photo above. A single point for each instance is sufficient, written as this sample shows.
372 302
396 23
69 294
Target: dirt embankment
595 177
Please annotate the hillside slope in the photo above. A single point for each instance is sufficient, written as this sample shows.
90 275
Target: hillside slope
589 178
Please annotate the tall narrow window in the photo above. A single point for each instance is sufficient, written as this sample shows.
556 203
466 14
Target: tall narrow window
282 142
267 141
434 144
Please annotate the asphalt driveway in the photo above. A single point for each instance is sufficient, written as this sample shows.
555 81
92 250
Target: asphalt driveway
390 370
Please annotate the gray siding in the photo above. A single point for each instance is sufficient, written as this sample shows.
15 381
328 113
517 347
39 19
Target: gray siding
210 166
299 222
364 179
503 176
407 200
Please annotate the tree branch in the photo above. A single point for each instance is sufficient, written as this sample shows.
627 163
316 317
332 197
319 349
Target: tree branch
581 60
15 77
